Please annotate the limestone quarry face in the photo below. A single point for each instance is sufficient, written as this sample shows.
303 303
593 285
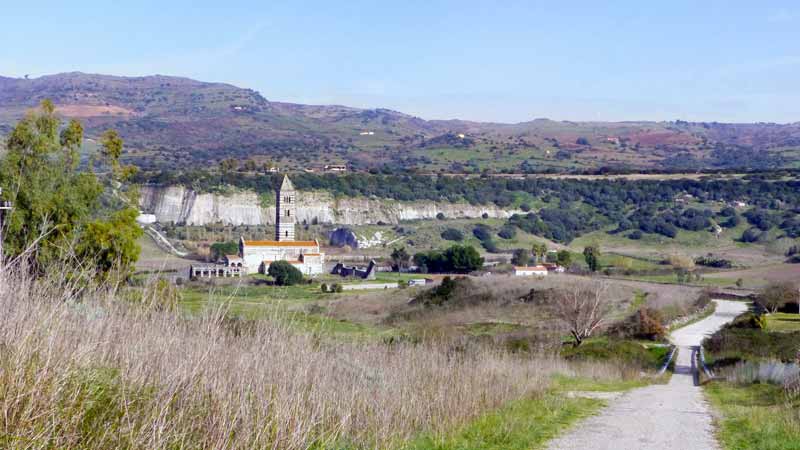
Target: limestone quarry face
180 205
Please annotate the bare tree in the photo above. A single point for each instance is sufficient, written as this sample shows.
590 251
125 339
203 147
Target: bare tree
583 308
779 294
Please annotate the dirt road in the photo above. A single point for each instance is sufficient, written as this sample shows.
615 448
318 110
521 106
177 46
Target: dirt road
671 416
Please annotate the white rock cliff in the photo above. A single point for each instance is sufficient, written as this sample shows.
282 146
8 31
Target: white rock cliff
180 205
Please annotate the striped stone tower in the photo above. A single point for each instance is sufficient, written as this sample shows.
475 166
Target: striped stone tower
285 211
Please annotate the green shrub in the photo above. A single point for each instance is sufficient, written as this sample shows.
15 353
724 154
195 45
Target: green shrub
482 232
284 273
733 344
508 232
750 321
451 234
617 350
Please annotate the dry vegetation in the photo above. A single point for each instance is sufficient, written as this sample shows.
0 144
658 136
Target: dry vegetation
89 370
505 301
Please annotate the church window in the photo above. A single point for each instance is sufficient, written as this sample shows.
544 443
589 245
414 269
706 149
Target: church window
288 213
287 234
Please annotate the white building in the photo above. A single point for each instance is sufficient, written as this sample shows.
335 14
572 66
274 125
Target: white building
527 271
305 255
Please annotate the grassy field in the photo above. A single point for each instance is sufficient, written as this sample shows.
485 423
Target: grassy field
783 322
531 422
293 305
522 425
754 416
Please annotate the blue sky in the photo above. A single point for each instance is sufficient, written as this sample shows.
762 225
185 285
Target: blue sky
732 61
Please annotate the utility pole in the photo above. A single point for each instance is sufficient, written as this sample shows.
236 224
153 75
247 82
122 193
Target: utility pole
5 208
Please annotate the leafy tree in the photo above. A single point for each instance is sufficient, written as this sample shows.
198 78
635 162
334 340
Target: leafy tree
521 257
400 258
463 258
284 273
57 209
111 244
564 258
220 249
458 258
539 250
591 255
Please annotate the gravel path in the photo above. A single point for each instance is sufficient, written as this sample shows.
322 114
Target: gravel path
671 416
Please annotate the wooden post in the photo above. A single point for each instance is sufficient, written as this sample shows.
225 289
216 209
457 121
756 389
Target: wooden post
5 208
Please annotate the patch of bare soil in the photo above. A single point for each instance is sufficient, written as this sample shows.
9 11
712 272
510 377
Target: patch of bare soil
83 111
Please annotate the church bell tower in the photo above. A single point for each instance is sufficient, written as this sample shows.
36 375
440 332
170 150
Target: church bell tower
285 209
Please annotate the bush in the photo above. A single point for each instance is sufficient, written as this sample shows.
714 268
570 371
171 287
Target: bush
482 232
749 321
754 235
451 234
731 345
712 261
490 245
440 216
646 323
525 207
323 287
284 273
617 350
445 292
635 235
508 232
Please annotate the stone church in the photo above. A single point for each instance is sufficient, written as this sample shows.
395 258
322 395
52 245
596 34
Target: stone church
305 255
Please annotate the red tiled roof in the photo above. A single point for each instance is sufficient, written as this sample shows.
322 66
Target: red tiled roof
530 268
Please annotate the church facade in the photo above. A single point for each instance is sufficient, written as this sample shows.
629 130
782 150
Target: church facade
256 256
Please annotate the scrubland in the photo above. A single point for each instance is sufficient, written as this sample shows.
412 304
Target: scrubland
81 367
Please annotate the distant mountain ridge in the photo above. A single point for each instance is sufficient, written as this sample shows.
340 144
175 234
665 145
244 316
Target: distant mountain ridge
175 123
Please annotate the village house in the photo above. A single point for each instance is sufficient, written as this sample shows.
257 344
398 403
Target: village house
528 271
336 168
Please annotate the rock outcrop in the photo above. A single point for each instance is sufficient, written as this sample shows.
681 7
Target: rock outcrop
343 236
181 205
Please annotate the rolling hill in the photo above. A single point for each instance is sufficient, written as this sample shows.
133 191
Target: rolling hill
176 123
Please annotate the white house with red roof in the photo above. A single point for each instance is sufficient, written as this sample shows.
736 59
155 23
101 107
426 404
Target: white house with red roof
530 271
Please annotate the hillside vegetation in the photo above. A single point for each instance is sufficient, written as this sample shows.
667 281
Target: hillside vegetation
172 122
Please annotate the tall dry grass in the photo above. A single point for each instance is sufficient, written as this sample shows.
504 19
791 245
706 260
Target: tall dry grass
80 368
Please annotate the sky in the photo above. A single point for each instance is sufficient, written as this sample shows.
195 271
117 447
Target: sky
509 61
